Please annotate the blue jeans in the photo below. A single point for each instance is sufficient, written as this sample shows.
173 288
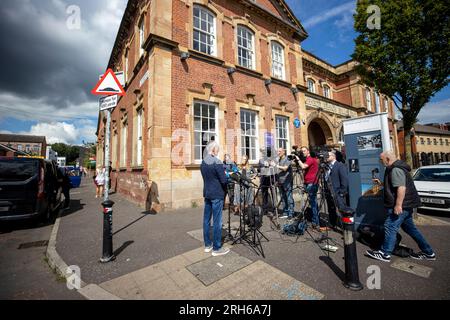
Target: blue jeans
312 196
405 220
288 200
213 208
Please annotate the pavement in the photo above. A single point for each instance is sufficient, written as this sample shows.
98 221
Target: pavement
160 256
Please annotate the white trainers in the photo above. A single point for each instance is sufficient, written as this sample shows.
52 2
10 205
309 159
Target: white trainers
222 251
208 249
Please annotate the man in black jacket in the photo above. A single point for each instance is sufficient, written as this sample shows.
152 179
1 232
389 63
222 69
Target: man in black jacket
214 186
338 178
400 198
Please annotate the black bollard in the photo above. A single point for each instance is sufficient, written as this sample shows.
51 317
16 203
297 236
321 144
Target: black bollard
351 261
107 232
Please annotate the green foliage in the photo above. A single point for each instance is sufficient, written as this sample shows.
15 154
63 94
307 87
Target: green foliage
408 58
70 152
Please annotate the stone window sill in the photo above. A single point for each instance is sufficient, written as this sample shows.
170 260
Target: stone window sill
193 166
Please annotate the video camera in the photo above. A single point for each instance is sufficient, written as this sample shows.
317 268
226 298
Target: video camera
296 153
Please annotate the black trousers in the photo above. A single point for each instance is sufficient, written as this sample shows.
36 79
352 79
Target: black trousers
266 183
332 210
66 192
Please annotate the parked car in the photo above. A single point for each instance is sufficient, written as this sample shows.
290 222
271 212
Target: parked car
433 185
29 188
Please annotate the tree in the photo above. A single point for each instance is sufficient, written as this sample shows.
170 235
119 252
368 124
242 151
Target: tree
70 152
407 58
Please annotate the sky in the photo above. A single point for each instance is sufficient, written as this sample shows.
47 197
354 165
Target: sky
52 64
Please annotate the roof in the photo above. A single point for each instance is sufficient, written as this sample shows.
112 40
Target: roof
4 146
418 128
21 138
326 62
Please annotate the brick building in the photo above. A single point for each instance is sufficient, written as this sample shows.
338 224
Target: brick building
233 71
32 145
429 145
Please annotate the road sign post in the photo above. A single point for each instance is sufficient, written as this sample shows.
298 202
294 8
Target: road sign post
110 86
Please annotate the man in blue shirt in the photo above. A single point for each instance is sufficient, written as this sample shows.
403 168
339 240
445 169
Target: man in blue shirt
214 186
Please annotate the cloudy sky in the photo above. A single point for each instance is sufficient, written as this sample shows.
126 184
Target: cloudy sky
49 68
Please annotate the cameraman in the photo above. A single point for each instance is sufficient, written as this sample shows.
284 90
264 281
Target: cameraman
338 178
267 173
285 179
311 167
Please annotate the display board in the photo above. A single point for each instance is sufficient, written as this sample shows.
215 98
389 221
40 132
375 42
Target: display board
365 139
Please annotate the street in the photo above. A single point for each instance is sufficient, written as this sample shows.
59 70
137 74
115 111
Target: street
24 272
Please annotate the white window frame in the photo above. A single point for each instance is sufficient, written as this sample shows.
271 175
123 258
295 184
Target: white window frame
139 137
141 36
249 48
377 102
278 64
247 116
386 107
200 130
285 126
123 144
210 21
127 64
326 88
311 88
369 99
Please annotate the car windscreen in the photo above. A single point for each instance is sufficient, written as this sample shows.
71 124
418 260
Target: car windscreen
433 174
17 170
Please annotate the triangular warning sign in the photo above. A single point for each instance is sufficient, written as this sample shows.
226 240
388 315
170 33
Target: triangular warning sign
108 85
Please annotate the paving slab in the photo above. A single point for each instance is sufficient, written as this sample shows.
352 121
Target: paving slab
417 269
213 269
240 278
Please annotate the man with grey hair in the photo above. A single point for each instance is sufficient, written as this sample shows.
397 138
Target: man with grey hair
214 186
400 198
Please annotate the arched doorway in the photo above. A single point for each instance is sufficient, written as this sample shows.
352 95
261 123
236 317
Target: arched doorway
319 133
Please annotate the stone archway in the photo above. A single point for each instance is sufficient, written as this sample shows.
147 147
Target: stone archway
320 133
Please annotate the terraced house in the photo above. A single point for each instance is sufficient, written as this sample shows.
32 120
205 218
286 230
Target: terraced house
229 70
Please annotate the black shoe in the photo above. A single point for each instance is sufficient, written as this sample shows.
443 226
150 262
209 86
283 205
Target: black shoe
423 256
379 255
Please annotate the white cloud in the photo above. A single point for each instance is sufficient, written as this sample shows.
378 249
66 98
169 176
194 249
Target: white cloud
345 8
63 132
56 132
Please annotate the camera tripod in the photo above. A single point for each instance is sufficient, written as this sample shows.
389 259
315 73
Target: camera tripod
324 198
248 215
272 198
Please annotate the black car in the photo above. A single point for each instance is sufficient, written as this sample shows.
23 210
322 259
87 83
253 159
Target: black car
29 188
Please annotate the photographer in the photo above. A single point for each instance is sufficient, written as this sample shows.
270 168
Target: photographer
311 167
267 173
338 178
285 179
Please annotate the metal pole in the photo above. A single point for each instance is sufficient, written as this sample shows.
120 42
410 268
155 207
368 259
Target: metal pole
107 204
351 261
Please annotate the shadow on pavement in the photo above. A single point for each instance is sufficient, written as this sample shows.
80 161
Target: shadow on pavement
10 226
131 223
123 247
74 206
330 263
